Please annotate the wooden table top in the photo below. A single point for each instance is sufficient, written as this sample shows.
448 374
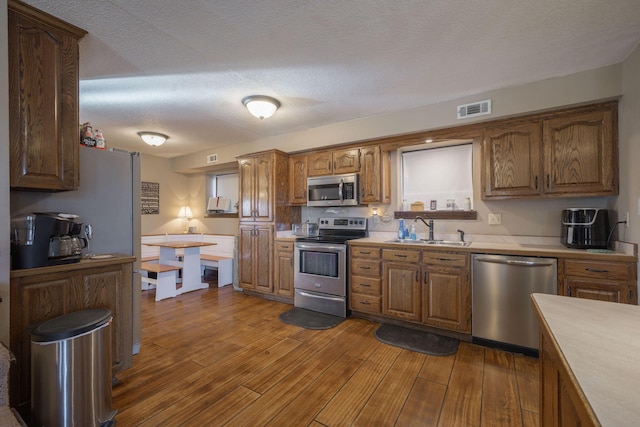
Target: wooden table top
181 244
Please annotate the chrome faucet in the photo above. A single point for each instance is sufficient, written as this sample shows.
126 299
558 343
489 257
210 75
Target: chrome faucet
429 225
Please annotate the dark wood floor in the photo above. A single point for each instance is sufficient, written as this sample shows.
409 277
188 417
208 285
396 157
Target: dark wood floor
219 357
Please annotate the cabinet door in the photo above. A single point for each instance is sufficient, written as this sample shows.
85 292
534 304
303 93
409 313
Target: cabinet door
298 180
246 179
581 155
512 162
320 163
597 290
283 269
263 256
346 161
446 298
401 290
43 93
263 188
245 256
371 175
101 290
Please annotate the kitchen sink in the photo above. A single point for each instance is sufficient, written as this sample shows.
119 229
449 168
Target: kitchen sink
431 242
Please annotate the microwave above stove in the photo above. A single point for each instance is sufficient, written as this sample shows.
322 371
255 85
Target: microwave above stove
333 190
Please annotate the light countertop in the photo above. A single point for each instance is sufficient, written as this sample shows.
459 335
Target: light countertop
600 342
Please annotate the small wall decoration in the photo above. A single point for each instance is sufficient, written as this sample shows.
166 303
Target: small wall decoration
150 196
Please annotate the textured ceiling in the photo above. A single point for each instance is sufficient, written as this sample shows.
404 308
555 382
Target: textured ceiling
182 68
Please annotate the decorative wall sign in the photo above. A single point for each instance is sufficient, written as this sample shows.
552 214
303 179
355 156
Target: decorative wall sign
150 196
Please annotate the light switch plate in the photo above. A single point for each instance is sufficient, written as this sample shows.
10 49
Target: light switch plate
495 219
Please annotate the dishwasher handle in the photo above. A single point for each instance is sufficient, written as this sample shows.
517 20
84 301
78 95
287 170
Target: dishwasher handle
516 262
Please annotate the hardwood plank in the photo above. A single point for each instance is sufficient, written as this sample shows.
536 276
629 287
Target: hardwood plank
345 406
527 374
437 368
302 410
385 403
423 404
462 402
500 401
530 418
224 409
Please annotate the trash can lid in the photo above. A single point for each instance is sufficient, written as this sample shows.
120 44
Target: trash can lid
70 325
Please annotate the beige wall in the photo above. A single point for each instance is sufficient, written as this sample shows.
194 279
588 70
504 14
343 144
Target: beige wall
177 190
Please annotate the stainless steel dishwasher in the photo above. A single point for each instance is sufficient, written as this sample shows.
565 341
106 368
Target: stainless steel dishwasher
501 302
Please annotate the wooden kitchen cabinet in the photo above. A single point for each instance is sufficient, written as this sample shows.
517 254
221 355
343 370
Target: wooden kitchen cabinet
283 268
333 162
401 284
446 291
375 175
298 180
564 154
44 132
256 188
255 253
365 291
607 281
45 293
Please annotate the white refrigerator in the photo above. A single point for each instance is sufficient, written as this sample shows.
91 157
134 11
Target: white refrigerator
109 199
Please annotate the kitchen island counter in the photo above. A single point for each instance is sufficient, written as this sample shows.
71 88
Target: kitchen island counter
590 361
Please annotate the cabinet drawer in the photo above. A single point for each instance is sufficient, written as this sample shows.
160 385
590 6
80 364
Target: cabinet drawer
365 285
365 267
445 258
603 270
366 303
368 253
282 246
400 255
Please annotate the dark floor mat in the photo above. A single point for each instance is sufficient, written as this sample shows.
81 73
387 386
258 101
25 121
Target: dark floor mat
422 342
309 319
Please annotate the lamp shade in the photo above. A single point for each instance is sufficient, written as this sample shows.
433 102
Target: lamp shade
261 106
154 139
185 213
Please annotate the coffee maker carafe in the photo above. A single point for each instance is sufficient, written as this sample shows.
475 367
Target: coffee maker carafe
45 238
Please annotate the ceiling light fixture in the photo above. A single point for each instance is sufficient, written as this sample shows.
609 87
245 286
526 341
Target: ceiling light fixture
261 106
154 139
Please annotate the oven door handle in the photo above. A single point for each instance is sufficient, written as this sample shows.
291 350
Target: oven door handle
325 296
321 247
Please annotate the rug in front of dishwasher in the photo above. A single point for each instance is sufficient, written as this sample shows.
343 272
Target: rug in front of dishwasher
422 342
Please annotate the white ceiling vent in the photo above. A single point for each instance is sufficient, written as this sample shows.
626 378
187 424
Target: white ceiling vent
479 108
212 158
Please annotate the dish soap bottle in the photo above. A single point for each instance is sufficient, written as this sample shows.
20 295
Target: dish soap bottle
413 232
401 230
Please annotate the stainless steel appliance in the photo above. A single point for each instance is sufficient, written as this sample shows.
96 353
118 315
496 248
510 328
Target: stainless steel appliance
320 277
585 228
45 238
333 190
501 298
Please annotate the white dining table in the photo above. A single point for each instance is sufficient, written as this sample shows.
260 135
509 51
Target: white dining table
191 279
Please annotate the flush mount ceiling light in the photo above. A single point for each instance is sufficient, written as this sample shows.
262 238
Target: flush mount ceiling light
154 139
261 106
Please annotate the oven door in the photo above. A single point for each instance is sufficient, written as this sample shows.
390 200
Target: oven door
321 267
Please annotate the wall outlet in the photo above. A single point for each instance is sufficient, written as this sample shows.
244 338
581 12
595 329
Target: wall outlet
495 219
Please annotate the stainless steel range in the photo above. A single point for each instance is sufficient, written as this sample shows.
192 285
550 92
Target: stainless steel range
320 278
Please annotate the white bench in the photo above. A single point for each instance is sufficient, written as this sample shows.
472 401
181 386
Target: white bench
165 282
221 256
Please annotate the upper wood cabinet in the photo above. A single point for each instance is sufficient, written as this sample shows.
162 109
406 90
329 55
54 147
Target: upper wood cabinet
333 162
257 187
565 154
375 175
43 100
298 180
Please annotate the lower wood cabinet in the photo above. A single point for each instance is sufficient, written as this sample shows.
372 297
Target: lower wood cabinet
36 297
365 292
255 257
283 268
612 281
401 284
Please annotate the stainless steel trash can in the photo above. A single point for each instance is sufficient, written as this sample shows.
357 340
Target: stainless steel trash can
71 370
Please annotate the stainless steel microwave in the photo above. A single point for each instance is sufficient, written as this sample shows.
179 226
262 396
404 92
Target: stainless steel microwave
333 190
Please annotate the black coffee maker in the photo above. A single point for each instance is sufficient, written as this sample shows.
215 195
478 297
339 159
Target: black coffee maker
45 238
